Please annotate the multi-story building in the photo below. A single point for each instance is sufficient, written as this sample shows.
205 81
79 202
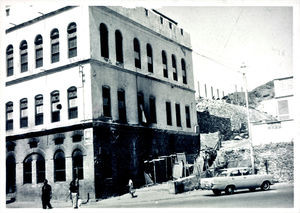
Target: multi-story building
91 92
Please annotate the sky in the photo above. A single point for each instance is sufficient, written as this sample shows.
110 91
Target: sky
224 38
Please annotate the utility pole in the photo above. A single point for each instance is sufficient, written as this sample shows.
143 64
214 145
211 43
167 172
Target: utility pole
248 117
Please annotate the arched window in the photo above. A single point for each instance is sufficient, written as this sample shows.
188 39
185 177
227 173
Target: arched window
72 103
40 168
183 68
27 170
149 58
9 60
23 112
59 166
165 63
39 111
55 106
106 101
137 53
122 106
174 66
119 46
24 56
72 40
77 160
104 41
54 46
38 51
9 115
10 174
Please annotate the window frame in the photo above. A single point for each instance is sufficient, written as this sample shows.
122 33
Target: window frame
59 166
137 53
119 47
169 113
106 104
9 60
152 106
23 56
149 57
72 40
184 72
23 109
39 104
80 167
55 53
174 67
38 51
122 109
178 114
72 96
165 63
188 116
104 41
55 115
9 109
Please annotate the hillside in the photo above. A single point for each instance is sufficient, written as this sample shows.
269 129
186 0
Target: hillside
263 92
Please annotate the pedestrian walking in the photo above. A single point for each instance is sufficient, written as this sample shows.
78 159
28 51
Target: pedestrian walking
74 192
46 195
131 190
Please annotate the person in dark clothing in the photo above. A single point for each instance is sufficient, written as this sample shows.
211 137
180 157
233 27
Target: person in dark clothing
74 191
46 195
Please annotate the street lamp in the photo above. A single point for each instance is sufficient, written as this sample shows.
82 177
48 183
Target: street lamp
248 116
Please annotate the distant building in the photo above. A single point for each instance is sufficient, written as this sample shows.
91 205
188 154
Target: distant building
92 92
281 107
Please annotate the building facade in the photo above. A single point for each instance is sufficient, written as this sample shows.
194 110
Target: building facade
93 96
281 107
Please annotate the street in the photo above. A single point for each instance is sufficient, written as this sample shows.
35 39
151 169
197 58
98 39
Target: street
279 196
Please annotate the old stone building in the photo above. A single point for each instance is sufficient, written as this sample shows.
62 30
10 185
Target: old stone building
91 92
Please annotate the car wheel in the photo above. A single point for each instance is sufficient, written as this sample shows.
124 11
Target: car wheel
216 192
251 189
229 190
265 186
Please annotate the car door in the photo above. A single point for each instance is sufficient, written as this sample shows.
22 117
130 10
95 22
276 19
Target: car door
249 180
236 179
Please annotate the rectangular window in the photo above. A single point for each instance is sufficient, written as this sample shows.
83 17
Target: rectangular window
24 62
56 107
55 52
73 106
9 116
39 57
106 101
178 117
122 106
39 114
72 47
187 115
168 113
10 66
152 110
23 113
283 110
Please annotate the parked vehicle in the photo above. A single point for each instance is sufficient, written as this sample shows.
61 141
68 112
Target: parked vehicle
231 179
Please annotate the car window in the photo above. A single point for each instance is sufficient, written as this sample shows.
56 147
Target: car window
222 174
246 172
236 173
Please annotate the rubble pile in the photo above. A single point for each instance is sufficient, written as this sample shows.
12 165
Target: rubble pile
237 114
280 160
276 158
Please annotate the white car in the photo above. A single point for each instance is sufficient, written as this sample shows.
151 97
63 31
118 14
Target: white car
232 179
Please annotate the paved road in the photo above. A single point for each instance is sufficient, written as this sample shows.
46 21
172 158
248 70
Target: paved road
279 196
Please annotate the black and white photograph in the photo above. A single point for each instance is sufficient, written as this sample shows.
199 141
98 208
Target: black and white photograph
149 104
